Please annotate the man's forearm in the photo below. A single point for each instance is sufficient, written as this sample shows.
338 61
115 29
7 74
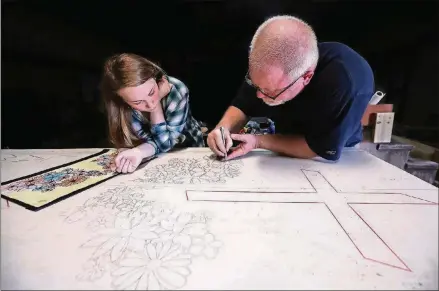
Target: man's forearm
234 119
289 145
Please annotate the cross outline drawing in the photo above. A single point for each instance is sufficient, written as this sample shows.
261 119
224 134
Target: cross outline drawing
360 233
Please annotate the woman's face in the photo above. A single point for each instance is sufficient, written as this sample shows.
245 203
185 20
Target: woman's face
143 98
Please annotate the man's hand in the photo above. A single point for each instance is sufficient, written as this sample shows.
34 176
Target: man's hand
128 160
215 142
248 143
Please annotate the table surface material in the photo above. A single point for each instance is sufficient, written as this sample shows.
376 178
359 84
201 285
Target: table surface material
187 221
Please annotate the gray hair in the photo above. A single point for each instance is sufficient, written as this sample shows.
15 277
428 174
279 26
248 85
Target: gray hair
286 41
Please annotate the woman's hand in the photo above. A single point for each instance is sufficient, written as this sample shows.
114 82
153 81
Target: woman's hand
128 160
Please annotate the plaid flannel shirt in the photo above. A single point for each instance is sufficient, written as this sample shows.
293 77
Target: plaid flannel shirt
179 127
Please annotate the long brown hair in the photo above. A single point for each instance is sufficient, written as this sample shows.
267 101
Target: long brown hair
120 71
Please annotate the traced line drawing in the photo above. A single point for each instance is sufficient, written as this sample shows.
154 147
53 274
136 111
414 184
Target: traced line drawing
369 191
205 170
180 230
159 266
14 158
120 200
142 244
352 223
21 158
206 246
93 269
115 241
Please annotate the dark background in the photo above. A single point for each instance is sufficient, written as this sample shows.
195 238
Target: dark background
53 51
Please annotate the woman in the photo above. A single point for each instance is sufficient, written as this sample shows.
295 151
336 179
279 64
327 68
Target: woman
148 111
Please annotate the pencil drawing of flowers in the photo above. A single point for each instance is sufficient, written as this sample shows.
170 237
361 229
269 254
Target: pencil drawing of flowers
206 246
115 200
204 170
161 212
116 240
159 266
103 219
180 229
120 196
94 269
142 244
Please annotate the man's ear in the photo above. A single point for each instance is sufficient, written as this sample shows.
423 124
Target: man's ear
307 77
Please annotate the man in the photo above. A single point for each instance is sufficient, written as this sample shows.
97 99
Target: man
316 93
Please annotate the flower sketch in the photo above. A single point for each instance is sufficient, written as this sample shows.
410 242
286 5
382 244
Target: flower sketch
21 158
115 241
206 246
180 230
93 269
143 244
103 218
159 266
114 201
193 171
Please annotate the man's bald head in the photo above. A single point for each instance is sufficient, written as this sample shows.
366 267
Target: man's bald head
286 42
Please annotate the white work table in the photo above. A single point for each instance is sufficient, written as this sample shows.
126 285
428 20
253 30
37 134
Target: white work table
185 221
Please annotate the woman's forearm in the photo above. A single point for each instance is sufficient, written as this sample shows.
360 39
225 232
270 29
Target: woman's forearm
146 150
157 116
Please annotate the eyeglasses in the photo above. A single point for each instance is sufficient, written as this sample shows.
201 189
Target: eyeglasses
249 81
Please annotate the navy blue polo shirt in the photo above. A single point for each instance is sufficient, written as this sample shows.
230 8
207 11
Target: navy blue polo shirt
328 111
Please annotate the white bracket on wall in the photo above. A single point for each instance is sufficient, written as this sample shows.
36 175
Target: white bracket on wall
383 127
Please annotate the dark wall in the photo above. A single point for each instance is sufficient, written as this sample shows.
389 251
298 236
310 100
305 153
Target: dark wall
52 53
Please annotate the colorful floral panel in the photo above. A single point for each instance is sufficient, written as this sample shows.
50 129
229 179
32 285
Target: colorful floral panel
50 186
